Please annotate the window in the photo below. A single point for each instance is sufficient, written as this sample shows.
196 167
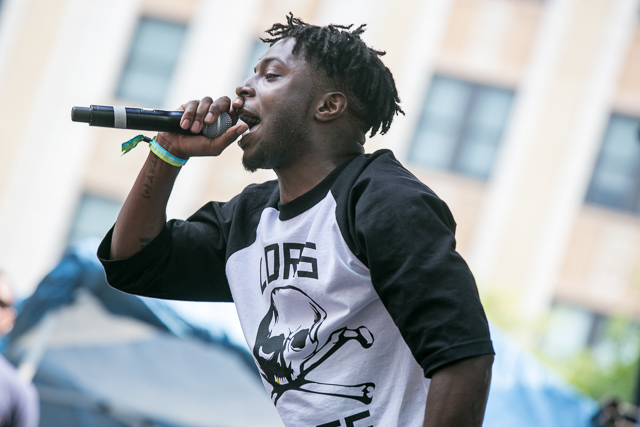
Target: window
461 127
572 329
568 332
154 52
615 182
94 216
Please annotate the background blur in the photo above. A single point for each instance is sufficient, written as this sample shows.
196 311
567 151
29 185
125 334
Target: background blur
523 115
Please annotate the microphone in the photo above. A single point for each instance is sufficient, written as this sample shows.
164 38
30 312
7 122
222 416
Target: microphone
144 119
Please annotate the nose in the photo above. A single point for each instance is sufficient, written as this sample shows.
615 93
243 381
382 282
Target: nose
245 90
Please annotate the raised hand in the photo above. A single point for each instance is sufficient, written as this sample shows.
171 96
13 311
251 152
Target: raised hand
196 115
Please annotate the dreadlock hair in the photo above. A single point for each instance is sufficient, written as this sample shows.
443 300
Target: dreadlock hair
348 62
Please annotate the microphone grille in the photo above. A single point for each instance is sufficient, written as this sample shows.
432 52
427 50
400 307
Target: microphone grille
218 127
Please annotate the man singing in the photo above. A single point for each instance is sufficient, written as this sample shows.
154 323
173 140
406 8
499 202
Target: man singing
352 298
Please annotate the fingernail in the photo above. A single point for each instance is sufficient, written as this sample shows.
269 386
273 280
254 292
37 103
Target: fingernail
185 124
195 127
209 117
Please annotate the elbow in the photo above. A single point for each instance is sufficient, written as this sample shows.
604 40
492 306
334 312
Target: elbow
485 361
483 366
475 369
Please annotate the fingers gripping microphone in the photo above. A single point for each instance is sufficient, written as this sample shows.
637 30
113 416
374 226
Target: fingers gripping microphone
144 119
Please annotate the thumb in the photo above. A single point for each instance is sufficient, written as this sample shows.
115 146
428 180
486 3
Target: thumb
219 144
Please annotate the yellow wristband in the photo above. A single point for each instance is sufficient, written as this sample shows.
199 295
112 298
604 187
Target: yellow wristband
159 151
155 148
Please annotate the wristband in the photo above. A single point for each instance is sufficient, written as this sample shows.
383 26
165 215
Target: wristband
155 148
159 151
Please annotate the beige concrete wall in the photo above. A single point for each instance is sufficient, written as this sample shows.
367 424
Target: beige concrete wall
628 94
487 41
108 173
630 76
28 56
557 152
548 148
602 267
464 197
490 40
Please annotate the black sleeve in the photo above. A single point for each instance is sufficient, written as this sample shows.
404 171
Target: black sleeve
405 234
186 261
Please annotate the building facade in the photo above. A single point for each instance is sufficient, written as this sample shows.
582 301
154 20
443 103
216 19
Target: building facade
522 114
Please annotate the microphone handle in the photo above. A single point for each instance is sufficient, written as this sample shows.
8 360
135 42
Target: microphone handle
144 119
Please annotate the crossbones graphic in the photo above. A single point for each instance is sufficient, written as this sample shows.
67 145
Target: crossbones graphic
287 346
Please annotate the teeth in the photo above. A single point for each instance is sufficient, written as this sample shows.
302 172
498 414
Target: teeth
281 381
250 120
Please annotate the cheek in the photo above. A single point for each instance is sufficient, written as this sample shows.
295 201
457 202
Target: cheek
7 319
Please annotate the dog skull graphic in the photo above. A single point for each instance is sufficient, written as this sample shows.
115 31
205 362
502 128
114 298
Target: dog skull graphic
287 346
288 334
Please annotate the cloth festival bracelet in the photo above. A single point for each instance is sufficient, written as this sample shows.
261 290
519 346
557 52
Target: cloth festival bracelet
155 148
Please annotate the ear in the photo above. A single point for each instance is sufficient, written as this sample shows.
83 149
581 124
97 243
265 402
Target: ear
331 106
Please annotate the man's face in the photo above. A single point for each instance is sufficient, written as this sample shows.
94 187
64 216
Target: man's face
278 101
7 312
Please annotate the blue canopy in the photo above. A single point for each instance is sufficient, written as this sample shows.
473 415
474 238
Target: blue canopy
526 393
104 358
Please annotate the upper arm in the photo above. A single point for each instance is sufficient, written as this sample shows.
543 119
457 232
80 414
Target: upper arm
458 393
186 261
405 235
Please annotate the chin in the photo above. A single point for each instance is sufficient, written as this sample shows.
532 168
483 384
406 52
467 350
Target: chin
251 164
249 168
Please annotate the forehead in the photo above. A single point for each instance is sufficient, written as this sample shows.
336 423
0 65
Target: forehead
6 293
282 51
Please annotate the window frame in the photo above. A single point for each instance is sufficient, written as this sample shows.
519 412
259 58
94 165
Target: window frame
132 65
461 140
631 203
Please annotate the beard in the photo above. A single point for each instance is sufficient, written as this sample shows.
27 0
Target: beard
281 147
275 155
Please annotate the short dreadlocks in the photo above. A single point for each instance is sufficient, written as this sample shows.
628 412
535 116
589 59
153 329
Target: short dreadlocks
349 63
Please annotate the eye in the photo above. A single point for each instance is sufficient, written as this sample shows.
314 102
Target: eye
272 344
299 340
270 76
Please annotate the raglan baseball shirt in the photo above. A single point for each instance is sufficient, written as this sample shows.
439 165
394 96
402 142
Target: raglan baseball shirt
349 296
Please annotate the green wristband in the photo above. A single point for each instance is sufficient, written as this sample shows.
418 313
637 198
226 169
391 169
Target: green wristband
159 151
155 148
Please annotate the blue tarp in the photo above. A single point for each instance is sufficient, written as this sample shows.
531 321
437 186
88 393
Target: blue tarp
526 393
122 374
105 358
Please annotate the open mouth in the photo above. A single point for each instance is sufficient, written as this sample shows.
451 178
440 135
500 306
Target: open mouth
250 119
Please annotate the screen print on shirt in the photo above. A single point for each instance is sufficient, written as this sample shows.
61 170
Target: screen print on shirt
310 314
342 265
287 347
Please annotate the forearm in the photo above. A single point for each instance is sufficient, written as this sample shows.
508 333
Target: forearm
144 212
458 393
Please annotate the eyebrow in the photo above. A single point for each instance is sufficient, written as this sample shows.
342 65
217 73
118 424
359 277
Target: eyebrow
267 60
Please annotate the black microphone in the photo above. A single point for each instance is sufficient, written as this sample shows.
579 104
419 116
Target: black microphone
144 119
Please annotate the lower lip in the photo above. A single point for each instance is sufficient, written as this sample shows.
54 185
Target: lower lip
242 142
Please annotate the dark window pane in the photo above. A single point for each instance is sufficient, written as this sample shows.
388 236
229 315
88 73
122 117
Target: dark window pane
154 52
616 178
479 143
94 216
461 127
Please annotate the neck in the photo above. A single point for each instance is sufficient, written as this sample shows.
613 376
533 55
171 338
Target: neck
308 172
